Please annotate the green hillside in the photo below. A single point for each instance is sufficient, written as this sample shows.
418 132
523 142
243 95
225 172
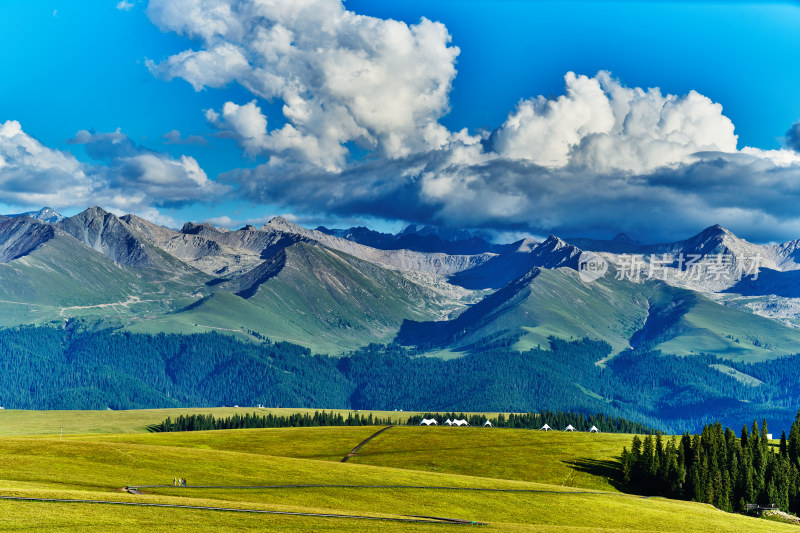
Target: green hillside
557 303
317 297
60 280
307 294
713 328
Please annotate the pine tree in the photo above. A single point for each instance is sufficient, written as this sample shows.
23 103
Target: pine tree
784 448
794 442
649 466
676 474
750 494
626 459
660 464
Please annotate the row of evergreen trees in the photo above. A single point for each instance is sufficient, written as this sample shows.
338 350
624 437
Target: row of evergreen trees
718 468
202 422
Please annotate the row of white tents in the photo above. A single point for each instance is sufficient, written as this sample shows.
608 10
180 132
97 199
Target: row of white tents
462 422
448 422
569 427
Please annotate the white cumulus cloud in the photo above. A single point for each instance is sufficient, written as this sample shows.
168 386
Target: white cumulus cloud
342 77
615 159
126 177
601 125
33 174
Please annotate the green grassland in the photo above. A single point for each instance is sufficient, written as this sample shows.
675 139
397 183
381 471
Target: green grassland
554 481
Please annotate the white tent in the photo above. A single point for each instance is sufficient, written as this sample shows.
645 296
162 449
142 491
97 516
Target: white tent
429 422
569 428
594 430
487 424
448 422
460 422
546 428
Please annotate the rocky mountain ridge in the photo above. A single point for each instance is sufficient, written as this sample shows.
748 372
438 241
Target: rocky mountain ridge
286 281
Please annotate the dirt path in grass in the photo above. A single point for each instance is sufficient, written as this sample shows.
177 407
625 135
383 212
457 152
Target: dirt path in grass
354 450
134 489
414 519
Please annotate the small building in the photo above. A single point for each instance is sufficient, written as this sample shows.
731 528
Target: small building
460 422
546 428
448 422
487 424
429 422
569 428
594 430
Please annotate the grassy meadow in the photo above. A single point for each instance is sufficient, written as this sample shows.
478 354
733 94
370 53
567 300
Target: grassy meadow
513 480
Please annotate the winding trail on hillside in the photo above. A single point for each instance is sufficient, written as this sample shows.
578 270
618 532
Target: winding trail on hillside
412 518
354 450
130 488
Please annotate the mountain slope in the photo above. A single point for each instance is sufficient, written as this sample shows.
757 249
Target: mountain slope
515 261
213 251
46 274
44 214
556 302
21 235
318 297
121 242
332 294
439 264
47 271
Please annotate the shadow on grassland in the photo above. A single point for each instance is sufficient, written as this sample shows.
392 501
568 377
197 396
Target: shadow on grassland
611 470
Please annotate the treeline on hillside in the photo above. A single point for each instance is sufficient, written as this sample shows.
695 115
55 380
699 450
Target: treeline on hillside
75 367
718 468
201 422
581 422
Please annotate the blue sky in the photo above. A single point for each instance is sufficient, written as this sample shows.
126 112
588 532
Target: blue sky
83 66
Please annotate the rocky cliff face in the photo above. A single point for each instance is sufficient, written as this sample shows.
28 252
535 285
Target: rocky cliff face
20 235
111 236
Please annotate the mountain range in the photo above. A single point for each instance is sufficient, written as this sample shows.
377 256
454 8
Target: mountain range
338 290
99 310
